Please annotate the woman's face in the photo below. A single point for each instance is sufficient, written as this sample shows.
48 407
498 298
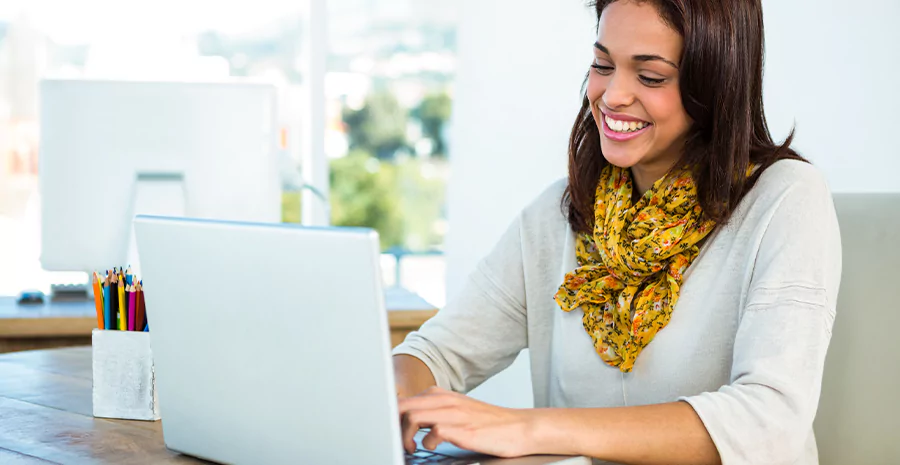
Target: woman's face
633 89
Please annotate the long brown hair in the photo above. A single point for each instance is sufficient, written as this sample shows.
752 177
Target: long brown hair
721 79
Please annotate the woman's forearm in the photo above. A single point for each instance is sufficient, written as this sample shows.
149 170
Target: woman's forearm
668 434
412 375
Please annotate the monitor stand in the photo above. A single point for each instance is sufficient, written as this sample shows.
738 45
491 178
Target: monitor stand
152 194
160 194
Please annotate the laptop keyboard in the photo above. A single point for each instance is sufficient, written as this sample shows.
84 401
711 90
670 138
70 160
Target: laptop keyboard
422 456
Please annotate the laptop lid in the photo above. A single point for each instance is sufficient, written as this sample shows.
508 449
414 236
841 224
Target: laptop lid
270 342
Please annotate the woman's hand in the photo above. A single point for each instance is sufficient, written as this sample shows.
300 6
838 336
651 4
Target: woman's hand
465 423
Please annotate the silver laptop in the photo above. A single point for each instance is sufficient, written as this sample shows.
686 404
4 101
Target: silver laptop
271 345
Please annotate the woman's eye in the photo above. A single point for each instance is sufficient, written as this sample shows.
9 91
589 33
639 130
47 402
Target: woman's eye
604 70
651 81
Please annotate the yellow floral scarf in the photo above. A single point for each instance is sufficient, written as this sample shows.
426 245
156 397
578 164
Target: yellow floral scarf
630 270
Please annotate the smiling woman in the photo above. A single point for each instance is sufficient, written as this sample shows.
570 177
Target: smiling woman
634 79
706 113
676 291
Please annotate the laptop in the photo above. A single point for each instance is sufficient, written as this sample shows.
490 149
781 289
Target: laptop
271 345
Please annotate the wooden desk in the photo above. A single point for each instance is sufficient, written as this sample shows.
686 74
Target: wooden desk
45 407
52 325
45 416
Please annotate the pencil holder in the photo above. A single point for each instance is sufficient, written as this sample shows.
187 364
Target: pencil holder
124 379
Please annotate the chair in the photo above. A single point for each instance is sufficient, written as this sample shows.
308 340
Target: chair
858 420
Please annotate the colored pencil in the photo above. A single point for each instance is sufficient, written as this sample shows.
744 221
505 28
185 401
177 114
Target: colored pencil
126 307
114 300
132 308
107 309
123 316
142 305
139 302
98 298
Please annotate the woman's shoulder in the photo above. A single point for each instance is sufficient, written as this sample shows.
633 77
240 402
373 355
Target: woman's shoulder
791 176
547 207
785 186
791 193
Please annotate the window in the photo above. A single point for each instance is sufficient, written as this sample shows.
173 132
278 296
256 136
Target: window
388 90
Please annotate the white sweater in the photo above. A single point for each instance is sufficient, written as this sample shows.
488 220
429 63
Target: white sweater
745 345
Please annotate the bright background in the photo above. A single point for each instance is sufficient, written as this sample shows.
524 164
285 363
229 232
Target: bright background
510 70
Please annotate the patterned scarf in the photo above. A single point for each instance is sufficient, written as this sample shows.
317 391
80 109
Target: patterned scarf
630 270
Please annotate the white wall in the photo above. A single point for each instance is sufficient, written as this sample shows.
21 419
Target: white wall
521 65
830 63
521 68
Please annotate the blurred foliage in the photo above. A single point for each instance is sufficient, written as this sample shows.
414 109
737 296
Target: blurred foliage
402 200
379 185
379 127
364 193
290 207
433 113
422 186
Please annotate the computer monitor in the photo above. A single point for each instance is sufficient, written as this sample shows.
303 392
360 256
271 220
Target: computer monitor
110 150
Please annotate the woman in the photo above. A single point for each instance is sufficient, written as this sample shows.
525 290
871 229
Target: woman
679 305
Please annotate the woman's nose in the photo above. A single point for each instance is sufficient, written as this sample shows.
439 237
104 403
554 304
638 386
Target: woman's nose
618 93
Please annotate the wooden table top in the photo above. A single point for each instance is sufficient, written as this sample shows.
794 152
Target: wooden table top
45 416
45 395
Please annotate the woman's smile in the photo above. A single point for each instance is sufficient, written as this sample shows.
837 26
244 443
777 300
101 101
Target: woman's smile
621 128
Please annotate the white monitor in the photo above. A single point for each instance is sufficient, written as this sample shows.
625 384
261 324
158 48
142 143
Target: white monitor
110 150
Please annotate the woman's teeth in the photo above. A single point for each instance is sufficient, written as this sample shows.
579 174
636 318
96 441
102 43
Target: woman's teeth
625 126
